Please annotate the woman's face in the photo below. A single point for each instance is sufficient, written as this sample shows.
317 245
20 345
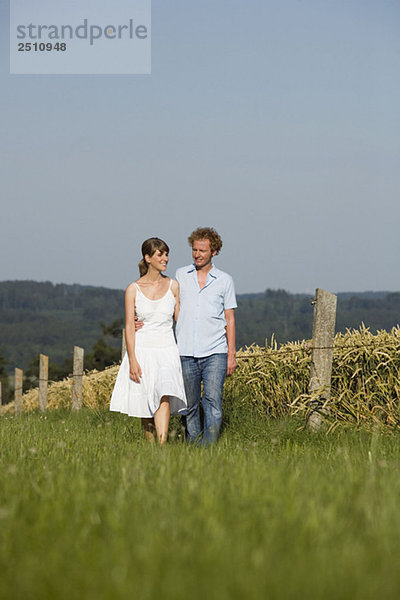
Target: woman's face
158 261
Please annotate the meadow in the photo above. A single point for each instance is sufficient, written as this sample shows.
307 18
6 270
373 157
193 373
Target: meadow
90 510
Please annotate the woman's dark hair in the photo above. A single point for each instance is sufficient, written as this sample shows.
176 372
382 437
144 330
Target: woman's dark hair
149 247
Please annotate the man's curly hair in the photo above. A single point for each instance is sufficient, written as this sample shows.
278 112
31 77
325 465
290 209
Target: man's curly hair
206 233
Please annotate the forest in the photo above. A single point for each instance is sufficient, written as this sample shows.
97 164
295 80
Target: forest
42 317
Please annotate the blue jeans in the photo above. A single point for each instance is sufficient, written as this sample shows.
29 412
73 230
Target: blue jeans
212 371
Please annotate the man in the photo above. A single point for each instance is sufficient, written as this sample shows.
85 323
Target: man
205 334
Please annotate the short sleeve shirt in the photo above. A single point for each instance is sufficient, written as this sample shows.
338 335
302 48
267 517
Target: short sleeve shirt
200 330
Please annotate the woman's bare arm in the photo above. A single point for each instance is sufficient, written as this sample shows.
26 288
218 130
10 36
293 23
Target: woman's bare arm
135 372
175 291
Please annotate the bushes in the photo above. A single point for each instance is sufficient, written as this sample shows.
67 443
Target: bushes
365 379
273 382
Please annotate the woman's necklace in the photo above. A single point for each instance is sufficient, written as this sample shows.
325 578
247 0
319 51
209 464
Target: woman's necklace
157 282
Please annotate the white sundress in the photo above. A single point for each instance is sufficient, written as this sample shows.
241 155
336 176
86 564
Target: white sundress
157 354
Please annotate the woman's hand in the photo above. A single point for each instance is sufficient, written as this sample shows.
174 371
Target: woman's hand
135 372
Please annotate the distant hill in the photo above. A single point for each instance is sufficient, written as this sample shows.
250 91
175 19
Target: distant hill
43 317
289 316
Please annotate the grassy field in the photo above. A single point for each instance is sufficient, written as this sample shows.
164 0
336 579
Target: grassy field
89 510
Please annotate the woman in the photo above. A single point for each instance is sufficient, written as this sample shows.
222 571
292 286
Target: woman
149 383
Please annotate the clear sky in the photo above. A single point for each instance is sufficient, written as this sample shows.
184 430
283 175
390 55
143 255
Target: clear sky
275 121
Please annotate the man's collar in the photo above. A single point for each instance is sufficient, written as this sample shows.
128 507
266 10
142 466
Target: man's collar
213 271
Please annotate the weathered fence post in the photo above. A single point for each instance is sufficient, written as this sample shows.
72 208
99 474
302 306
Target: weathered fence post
0 398
322 352
19 374
77 378
43 379
123 347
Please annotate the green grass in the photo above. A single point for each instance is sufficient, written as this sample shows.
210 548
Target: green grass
89 510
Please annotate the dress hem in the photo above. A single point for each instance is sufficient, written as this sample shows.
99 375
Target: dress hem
180 413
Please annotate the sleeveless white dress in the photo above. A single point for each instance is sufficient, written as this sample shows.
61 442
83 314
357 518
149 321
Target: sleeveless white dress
157 354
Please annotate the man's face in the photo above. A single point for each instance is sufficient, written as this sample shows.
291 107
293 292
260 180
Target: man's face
201 253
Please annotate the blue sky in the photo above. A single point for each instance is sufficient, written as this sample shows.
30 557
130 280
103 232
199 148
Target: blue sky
277 122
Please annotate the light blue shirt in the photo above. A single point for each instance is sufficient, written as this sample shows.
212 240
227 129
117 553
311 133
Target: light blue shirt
200 330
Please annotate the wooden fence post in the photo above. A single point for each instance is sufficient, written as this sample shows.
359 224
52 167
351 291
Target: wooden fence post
322 353
0 398
43 380
19 374
77 378
123 347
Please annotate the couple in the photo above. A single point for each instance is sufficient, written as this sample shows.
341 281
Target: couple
158 377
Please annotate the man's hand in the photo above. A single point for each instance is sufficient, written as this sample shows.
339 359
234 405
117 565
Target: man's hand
232 364
135 372
138 324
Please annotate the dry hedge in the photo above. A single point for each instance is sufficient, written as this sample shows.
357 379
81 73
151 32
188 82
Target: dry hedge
365 381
